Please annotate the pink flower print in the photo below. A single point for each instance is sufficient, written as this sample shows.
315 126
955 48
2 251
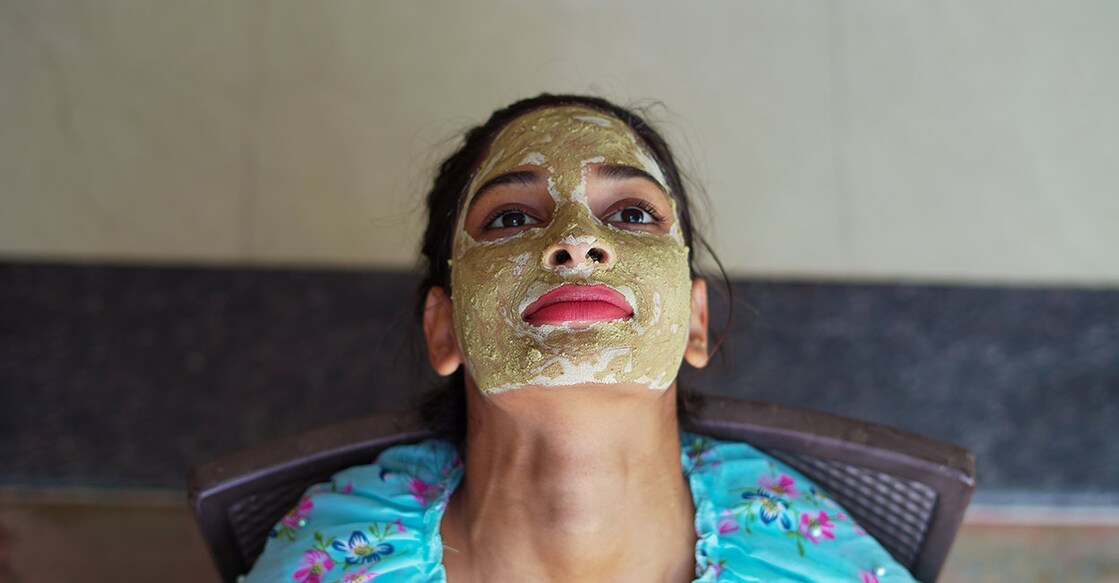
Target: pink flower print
782 485
312 566
400 526
840 516
699 452
709 567
727 522
868 576
423 492
818 527
359 576
297 517
456 462
348 488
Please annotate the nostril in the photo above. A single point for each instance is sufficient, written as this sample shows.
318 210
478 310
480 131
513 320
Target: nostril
560 257
595 254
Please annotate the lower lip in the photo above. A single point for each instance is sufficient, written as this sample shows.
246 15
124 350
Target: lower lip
591 311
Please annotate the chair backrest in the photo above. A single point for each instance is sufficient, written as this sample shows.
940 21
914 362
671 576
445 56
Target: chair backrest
908 491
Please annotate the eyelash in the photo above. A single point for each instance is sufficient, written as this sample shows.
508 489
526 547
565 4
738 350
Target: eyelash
504 210
658 218
645 206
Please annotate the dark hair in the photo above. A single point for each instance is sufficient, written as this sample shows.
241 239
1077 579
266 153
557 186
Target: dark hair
443 410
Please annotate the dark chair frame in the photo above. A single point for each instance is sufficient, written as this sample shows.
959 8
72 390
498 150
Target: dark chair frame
946 470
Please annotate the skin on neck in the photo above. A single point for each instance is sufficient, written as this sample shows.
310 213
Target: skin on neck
584 488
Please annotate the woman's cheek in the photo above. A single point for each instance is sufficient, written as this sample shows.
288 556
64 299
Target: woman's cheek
662 277
488 283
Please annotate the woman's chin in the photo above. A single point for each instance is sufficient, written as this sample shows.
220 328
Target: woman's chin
591 390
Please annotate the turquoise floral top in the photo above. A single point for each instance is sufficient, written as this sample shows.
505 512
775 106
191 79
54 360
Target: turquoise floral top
756 519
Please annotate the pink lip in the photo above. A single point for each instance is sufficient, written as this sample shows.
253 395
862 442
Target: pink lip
587 303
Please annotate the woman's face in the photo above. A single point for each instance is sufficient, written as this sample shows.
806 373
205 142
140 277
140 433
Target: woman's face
569 266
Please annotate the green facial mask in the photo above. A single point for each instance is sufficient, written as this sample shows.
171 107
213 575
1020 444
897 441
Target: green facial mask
492 282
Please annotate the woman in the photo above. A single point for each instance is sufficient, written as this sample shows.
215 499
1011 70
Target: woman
560 294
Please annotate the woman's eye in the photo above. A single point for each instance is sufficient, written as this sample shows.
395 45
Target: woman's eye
631 214
510 220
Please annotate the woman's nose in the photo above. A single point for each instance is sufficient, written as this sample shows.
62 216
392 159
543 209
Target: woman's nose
572 252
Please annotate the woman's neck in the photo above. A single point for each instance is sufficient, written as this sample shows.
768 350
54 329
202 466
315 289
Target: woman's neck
571 484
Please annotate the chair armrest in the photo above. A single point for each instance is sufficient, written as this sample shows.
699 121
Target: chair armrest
214 487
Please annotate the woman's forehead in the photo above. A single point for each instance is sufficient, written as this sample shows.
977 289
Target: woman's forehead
562 141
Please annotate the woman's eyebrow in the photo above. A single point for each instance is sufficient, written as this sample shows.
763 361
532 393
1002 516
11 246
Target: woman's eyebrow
520 178
619 172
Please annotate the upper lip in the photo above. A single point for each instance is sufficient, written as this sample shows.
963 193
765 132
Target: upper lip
579 293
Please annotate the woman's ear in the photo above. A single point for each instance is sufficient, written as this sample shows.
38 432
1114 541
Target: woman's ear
695 353
439 330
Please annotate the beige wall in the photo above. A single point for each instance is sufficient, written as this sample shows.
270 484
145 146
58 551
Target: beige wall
969 141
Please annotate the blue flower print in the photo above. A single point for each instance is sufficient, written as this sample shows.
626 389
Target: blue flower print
359 550
770 507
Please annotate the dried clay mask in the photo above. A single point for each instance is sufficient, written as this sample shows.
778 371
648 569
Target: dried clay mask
495 278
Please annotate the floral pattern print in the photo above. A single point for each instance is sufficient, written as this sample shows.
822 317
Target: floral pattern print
756 519
698 452
776 507
359 576
773 502
423 492
312 566
816 528
769 507
298 517
782 485
360 550
295 519
727 522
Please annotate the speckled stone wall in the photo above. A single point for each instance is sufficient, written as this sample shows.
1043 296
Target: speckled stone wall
127 376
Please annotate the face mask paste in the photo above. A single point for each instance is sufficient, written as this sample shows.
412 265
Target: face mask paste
492 282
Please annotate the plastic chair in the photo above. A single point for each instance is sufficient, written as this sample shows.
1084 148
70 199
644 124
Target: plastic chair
908 491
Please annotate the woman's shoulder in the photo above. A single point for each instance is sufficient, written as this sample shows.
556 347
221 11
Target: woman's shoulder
758 519
367 521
